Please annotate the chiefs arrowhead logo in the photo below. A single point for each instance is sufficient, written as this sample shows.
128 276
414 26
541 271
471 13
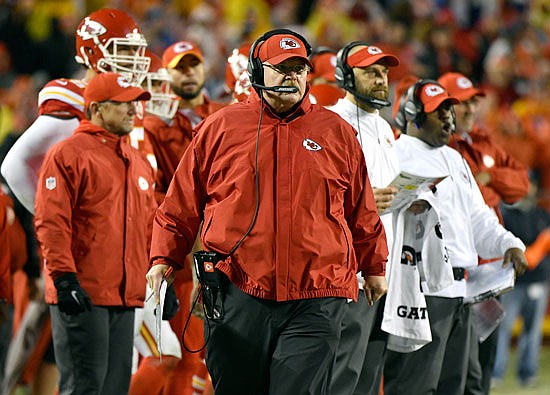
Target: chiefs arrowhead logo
90 29
208 267
311 145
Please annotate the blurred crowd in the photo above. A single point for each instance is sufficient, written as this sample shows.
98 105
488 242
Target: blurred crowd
502 45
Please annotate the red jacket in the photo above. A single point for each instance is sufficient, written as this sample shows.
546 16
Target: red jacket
317 217
169 142
5 253
509 177
94 209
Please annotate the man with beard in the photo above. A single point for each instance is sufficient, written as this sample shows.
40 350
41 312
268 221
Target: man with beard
362 70
184 62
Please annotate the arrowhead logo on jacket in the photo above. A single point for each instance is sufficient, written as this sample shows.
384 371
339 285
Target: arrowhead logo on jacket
311 145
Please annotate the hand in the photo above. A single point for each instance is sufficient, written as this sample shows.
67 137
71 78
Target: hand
375 287
71 298
383 197
483 178
516 256
418 207
154 278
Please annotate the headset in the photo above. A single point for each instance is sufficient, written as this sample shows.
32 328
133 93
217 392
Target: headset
256 68
411 108
346 80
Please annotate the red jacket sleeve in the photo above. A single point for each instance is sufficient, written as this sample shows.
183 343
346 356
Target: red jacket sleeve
173 239
369 237
55 198
509 178
5 255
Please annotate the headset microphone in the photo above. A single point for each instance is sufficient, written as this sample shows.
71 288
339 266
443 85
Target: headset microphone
372 101
278 89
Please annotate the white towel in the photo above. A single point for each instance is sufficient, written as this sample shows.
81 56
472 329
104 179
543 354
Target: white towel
418 257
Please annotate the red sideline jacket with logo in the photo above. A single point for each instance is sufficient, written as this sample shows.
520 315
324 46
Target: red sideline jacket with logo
317 217
94 209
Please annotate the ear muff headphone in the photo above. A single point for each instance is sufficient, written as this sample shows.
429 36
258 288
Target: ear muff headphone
343 73
399 118
255 67
413 109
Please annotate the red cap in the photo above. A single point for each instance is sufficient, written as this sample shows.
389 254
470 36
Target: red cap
280 47
370 55
173 54
432 95
459 86
113 87
323 66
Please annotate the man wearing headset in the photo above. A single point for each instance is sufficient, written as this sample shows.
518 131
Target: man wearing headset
289 218
362 70
469 229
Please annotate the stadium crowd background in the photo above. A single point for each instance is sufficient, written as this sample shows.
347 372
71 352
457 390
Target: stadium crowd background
502 45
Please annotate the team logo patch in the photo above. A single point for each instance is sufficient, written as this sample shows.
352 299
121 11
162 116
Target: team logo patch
374 50
289 43
488 161
90 29
143 184
208 267
123 82
311 145
388 141
464 83
182 47
433 90
51 183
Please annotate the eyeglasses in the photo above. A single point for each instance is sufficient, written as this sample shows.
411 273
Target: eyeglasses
299 69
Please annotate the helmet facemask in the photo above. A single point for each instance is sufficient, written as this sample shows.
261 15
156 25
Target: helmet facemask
163 102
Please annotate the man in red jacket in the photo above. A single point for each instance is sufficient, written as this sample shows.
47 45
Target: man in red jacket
94 208
289 218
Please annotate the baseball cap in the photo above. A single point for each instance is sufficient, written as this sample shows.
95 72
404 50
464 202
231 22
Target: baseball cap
459 86
280 47
113 87
432 95
323 66
173 54
370 55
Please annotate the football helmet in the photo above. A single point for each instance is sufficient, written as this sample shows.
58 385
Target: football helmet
110 40
163 102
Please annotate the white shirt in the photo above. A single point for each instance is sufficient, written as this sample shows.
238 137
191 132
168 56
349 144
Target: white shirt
470 229
378 143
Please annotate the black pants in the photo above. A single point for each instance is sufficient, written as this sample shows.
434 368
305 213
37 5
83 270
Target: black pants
265 347
94 350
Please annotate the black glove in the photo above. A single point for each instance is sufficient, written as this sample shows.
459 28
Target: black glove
171 304
71 298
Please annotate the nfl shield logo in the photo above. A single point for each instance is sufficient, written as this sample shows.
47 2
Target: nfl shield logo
50 183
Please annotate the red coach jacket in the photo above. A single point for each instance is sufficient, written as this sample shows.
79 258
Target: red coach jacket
509 177
94 209
317 217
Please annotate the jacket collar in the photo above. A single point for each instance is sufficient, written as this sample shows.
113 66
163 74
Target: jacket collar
301 108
